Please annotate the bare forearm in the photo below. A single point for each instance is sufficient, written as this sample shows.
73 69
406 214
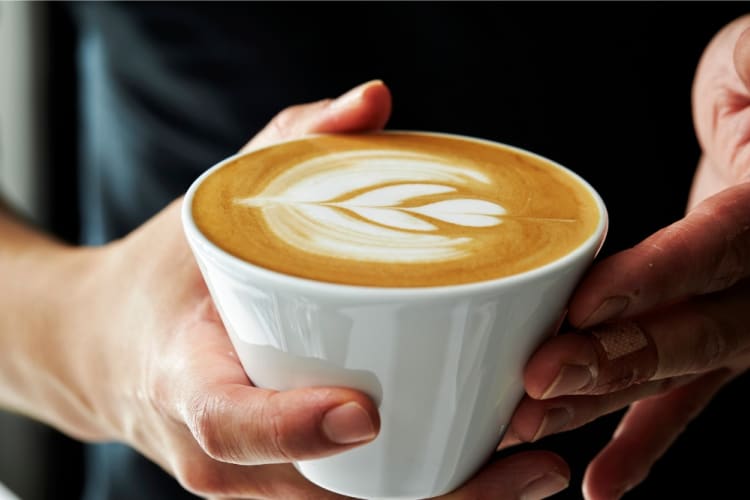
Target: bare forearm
42 280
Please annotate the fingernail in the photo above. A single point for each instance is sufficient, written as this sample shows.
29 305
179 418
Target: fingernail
571 379
545 486
609 309
353 96
347 424
555 420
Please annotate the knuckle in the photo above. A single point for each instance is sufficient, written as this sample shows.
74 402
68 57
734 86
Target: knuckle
283 122
712 346
732 247
290 121
201 424
278 440
731 268
626 356
205 424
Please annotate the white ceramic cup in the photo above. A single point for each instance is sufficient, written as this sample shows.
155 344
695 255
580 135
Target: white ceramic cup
444 364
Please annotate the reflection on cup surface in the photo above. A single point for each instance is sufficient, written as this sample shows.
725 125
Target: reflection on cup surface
281 371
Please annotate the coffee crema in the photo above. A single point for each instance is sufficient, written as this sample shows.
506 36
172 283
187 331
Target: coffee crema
394 209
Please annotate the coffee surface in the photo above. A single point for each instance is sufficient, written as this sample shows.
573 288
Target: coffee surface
394 210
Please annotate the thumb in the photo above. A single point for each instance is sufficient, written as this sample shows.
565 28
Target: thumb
245 425
366 107
742 57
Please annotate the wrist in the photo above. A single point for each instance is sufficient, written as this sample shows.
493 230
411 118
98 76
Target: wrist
91 345
43 339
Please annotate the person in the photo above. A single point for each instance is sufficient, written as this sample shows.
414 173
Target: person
661 327
120 342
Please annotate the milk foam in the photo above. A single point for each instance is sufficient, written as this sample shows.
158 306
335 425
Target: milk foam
394 209
364 205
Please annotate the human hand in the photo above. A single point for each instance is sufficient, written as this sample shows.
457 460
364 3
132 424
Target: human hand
663 324
167 381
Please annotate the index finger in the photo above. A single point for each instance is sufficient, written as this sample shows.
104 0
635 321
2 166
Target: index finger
706 251
363 108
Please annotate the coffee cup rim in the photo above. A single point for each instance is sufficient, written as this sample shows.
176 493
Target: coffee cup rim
243 271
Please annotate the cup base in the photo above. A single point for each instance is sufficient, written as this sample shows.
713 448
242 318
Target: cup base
372 493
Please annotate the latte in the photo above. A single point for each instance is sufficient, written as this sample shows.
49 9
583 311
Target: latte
395 209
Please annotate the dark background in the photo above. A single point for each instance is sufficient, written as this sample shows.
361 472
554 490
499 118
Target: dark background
603 88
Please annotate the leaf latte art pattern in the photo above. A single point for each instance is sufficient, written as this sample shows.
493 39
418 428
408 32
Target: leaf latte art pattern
377 205
394 209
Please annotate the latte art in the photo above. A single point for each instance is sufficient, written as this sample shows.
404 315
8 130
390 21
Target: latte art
370 205
394 209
